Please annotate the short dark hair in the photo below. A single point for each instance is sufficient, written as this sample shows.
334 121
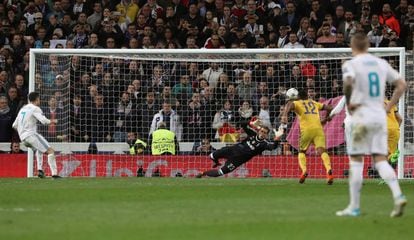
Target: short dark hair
33 96
303 93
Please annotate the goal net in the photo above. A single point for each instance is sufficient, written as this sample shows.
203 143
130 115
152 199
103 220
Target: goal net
103 100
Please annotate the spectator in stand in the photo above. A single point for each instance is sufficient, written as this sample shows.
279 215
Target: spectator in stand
79 38
283 38
316 15
33 27
170 118
339 17
303 28
99 120
96 16
293 42
263 90
123 118
158 79
232 95
340 41
245 112
77 120
15 148
387 18
290 17
54 132
212 73
247 89
203 147
327 39
225 123
325 84
214 42
296 79
93 41
15 102
6 120
183 90
193 17
194 125
21 88
266 113
348 27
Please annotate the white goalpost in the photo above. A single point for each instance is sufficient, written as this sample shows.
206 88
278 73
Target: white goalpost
101 98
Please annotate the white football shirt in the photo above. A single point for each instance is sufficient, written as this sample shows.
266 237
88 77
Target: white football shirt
26 120
370 75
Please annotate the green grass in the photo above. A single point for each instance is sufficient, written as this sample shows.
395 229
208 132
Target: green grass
179 208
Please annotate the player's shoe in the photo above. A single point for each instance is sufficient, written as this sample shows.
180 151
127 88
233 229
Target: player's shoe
349 212
329 178
56 176
216 162
394 157
399 204
200 175
303 177
40 174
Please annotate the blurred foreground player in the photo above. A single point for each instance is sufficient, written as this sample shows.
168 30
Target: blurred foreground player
238 154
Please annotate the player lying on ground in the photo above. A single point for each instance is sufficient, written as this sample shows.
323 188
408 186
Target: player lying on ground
26 126
311 131
236 155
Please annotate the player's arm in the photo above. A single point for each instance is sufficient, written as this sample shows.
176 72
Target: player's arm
399 87
15 123
290 106
398 117
248 126
338 108
38 114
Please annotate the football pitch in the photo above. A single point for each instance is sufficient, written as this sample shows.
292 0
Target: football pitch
186 208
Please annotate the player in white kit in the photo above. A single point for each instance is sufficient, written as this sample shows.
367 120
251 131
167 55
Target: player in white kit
365 78
26 126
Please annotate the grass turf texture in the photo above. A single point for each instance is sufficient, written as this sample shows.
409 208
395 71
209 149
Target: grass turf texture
179 208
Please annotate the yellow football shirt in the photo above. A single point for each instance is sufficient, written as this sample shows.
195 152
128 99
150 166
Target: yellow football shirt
308 113
392 122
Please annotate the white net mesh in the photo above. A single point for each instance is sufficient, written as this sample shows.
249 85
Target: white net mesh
104 101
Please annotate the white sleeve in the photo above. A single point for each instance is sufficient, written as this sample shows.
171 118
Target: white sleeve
38 114
338 108
347 71
15 123
392 74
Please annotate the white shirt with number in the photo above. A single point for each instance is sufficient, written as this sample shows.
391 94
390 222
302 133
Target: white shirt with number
370 75
26 120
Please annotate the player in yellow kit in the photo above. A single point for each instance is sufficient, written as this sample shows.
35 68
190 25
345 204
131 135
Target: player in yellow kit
394 120
311 131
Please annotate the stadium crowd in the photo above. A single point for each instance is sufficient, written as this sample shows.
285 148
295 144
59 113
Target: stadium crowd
110 97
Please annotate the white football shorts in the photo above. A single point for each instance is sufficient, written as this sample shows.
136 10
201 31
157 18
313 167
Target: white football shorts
37 142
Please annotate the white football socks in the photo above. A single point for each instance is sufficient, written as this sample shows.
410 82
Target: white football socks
51 159
39 160
355 183
387 173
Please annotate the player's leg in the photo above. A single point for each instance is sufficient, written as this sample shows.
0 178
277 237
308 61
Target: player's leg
230 165
51 159
386 172
39 161
393 137
38 149
319 142
304 142
224 152
355 148
356 167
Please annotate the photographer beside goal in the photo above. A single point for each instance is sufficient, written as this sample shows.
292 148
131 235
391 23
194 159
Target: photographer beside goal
240 153
25 124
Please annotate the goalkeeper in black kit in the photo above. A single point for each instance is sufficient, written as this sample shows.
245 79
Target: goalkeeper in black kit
238 154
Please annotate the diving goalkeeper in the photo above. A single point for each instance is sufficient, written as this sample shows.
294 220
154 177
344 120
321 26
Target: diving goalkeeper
238 154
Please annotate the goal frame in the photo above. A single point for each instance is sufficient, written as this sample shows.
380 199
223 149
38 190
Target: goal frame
400 51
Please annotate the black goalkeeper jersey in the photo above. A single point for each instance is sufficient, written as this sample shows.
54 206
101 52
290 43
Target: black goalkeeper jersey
252 145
